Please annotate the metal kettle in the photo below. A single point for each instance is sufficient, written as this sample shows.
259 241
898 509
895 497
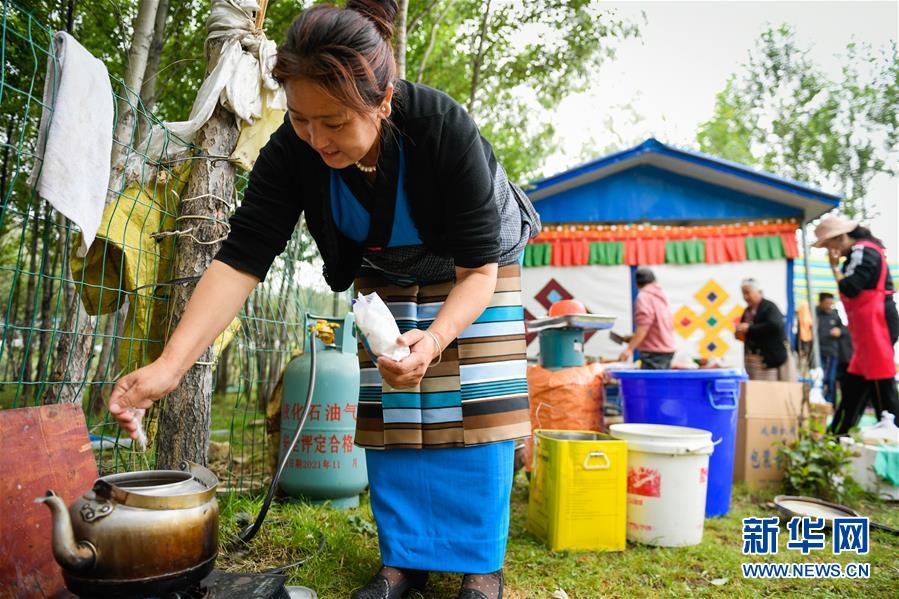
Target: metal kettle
138 533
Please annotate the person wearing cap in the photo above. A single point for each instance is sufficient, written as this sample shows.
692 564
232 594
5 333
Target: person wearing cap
761 329
655 325
866 290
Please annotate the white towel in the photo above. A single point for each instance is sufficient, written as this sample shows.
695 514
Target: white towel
75 138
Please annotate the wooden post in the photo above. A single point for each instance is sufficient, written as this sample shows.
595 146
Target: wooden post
260 14
183 432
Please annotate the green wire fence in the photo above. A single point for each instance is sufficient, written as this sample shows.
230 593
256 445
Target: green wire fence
70 326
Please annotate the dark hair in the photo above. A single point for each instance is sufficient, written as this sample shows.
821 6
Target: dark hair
644 277
824 295
861 233
345 50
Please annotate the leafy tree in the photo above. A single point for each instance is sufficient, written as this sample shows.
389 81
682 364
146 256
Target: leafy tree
510 62
471 49
783 114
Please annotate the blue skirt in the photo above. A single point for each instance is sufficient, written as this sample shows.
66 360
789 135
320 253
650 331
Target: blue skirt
444 510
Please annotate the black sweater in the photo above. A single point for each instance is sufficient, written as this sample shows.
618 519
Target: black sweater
828 345
449 183
766 335
862 271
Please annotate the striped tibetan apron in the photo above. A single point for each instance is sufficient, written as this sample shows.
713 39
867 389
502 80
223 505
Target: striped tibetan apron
477 394
440 488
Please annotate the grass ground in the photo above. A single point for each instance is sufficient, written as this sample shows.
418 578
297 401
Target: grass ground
711 569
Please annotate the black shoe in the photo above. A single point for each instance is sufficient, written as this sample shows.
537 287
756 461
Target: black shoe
466 593
380 588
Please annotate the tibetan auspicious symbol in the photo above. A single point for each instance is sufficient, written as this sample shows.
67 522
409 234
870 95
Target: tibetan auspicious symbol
712 320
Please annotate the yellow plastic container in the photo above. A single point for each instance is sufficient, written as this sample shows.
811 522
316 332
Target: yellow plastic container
578 494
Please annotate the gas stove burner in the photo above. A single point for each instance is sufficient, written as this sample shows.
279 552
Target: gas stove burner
218 585
197 592
238 585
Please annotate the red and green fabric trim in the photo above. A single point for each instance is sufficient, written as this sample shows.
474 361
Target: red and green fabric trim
566 246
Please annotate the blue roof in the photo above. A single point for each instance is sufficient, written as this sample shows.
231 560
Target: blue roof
665 183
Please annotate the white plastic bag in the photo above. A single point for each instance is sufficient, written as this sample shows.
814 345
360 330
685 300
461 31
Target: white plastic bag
883 432
141 435
377 324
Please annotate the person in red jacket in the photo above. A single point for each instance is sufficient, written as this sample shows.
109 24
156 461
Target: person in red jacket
866 290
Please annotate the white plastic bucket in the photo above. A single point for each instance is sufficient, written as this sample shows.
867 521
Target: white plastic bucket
667 479
863 470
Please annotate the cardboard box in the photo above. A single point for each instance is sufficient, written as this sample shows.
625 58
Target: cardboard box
768 413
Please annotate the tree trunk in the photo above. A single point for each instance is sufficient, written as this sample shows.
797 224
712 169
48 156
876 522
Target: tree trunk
148 90
72 356
183 432
70 16
257 321
263 362
221 370
138 54
274 357
7 147
432 40
400 37
48 325
68 290
105 370
24 375
9 334
478 60
141 41
10 317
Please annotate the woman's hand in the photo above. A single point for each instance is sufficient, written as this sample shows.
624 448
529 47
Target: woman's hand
135 392
407 373
834 256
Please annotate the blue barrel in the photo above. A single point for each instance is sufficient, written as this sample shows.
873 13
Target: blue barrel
704 399
325 465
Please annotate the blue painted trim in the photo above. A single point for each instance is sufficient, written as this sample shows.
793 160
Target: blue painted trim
634 292
652 145
791 304
650 193
753 175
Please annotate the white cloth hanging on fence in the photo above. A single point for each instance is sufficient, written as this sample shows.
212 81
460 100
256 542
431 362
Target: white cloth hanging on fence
74 145
240 80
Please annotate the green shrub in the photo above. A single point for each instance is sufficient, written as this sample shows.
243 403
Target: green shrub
816 465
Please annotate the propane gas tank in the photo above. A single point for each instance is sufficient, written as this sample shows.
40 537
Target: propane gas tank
325 465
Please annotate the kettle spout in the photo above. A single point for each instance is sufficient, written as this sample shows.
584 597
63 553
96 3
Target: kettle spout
77 557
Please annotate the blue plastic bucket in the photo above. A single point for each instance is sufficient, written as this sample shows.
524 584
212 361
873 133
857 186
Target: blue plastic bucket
704 399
